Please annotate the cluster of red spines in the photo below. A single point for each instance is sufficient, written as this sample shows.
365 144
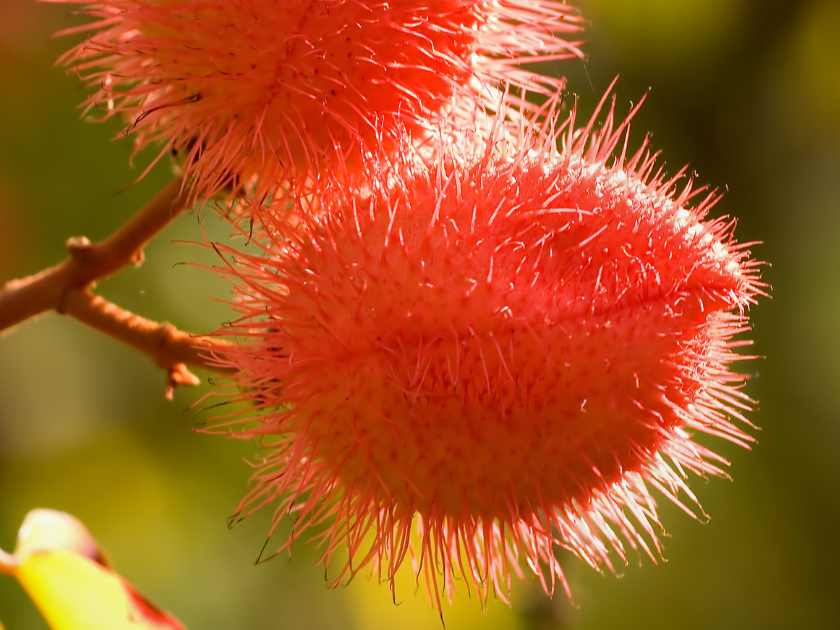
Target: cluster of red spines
501 343
261 95
507 345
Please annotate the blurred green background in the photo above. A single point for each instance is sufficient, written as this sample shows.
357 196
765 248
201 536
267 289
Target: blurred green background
747 92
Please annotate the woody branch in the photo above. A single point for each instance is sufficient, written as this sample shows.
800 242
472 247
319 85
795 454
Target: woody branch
66 288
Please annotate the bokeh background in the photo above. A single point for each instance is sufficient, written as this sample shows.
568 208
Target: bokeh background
747 92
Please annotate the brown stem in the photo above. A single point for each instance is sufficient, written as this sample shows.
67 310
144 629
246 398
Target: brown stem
170 348
65 288
88 262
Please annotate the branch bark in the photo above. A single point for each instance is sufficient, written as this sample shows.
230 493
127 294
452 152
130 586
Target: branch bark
167 346
66 288
88 262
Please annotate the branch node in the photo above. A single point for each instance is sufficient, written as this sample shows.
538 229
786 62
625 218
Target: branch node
167 333
179 374
60 307
80 248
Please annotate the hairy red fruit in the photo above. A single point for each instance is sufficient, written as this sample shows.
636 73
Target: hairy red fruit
509 345
278 89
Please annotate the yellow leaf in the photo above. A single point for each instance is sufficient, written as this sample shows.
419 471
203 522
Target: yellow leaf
51 530
76 593
65 572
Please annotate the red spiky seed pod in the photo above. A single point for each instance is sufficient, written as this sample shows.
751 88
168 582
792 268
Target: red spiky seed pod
510 347
275 90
